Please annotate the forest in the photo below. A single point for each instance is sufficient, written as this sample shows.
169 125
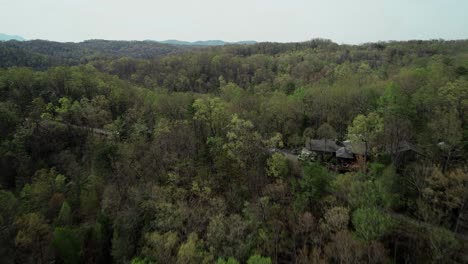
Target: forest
143 152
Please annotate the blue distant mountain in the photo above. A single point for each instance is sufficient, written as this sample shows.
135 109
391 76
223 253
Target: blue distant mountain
5 37
205 42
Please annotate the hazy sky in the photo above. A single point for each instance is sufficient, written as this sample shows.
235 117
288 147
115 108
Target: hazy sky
343 21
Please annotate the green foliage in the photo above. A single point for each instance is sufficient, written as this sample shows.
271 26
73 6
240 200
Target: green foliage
33 237
313 185
102 163
377 189
443 192
225 235
40 191
228 261
8 210
160 248
277 166
326 131
67 244
244 145
8 120
336 219
129 156
139 260
443 245
394 102
8 207
370 223
192 251
212 113
370 193
64 107
446 127
366 128
60 181
65 215
258 259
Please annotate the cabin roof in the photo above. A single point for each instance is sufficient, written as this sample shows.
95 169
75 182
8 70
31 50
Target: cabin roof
358 148
322 145
403 146
347 149
344 154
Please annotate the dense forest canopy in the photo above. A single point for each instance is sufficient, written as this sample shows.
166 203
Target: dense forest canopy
41 54
141 152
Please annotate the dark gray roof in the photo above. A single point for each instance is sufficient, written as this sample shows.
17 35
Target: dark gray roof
343 153
403 146
358 148
322 145
348 149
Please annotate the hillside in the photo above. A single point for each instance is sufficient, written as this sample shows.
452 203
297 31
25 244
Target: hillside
206 42
310 152
42 54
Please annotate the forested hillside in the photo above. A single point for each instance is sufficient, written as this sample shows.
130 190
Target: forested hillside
139 152
41 54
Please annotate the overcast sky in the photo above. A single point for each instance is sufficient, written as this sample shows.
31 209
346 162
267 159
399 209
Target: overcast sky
343 21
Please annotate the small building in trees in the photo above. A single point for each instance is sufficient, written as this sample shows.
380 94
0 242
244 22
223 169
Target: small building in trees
402 147
348 155
402 152
342 155
322 146
345 149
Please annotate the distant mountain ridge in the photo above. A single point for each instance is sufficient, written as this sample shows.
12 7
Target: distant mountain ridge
41 54
205 42
5 37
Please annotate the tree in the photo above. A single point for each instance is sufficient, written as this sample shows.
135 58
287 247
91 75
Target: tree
225 236
33 238
160 248
345 248
64 110
124 238
211 112
370 193
313 185
8 120
398 112
38 194
280 113
370 223
191 251
366 128
447 133
308 133
68 245
258 259
443 245
444 193
227 261
326 131
277 166
8 210
454 95
336 219
245 146
65 215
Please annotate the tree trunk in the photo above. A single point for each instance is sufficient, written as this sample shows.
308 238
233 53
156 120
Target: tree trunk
447 161
460 215
365 158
